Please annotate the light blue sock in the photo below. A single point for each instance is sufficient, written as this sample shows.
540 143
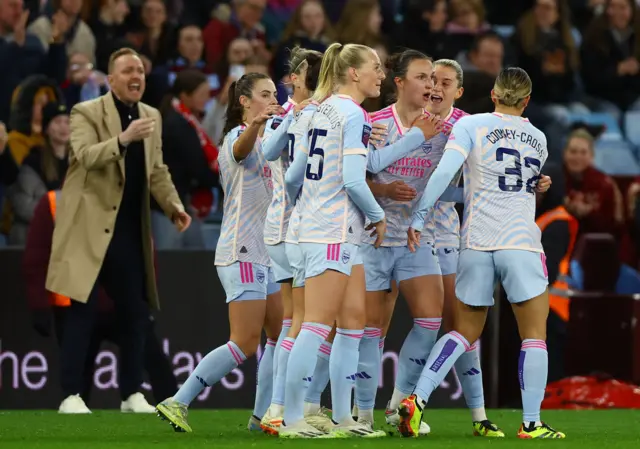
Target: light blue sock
264 388
343 367
286 325
470 376
368 372
213 367
302 363
533 367
444 354
281 378
381 346
320 375
415 350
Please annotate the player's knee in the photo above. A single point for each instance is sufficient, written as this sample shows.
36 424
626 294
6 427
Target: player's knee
426 306
348 321
376 318
248 343
533 329
470 326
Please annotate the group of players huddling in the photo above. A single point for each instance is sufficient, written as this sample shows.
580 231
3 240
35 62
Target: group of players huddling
329 211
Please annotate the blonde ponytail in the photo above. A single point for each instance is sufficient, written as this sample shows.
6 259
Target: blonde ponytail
326 80
336 62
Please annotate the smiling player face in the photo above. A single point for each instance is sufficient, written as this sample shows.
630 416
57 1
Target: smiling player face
445 90
370 75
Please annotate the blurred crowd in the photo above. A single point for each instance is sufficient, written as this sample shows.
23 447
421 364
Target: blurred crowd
583 57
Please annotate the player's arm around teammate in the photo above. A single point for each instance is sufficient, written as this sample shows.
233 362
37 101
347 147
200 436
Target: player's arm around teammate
241 257
418 275
334 195
488 143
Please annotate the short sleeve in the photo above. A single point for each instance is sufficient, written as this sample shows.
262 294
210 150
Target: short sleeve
460 138
356 133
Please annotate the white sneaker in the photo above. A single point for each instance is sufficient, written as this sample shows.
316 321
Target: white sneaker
136 403
425 429
352 429
74 405
254 424
320 420
391 416
300 430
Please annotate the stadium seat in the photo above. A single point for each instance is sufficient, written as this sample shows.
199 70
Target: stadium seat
616 158
597 255
631 128
612 128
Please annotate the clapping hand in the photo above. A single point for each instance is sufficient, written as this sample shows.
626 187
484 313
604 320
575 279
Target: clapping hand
139 129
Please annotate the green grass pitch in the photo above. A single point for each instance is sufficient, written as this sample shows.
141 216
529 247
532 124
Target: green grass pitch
217 429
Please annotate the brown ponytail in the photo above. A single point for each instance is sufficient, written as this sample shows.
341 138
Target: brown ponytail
242 87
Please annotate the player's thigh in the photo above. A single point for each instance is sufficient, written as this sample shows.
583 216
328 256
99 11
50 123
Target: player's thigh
286 292
524 278
325 283
450 300
376 310
353 313
448 259
475 278
246 319
420 282
469 320
378 267
275 309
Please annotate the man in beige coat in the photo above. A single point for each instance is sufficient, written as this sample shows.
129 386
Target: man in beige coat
103 233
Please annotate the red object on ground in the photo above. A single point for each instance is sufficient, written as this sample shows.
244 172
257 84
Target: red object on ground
591 392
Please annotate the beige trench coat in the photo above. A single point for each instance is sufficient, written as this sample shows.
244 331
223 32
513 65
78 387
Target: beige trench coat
91 197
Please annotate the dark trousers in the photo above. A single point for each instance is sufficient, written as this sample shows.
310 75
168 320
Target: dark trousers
161 378
122 276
